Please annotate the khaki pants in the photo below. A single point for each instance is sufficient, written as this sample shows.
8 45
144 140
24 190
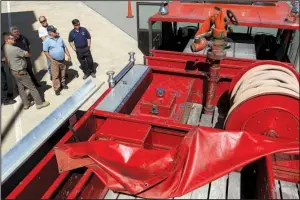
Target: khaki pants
23 81
58 71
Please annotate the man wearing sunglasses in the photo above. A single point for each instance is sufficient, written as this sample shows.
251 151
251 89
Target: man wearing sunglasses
23 43
15 58
43 34
80 41
55 49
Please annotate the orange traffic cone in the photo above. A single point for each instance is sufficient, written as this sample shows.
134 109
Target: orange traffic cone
129 11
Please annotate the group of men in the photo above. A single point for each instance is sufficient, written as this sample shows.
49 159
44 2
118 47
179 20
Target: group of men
16 54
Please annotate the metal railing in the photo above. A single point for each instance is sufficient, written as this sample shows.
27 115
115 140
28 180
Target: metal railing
29 144
112 81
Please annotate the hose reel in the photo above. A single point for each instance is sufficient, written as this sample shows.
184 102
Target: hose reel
265 99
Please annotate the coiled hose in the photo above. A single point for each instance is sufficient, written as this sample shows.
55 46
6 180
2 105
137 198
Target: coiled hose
264 79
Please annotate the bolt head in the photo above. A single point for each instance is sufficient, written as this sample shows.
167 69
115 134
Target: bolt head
110 73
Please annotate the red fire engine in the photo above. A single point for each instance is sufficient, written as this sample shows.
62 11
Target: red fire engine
213 113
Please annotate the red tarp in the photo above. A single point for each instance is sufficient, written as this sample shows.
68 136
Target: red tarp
204 155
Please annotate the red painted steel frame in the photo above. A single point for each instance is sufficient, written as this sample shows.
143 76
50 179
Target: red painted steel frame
227 61
247 15
88 125
21 191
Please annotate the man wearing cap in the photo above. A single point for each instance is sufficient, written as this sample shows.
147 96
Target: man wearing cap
23 43
55 49
80 41
15 58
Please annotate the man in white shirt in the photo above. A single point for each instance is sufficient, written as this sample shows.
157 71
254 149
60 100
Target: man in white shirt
43 34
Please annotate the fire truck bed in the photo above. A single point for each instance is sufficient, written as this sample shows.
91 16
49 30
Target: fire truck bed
213 190
218 189
287 190
236 50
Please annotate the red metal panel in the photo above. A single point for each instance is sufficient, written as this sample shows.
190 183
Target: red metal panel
55 185
178 86
167 123
247 15
182 66
135 132
73 194
159 139
286 167
94 189
165 105
199 57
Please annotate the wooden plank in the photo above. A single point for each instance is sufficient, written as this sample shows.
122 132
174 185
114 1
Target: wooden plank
125 196
218 188
201 193
289 190
234 185
186 196
216 116
277 189
195 114
111 195
186 112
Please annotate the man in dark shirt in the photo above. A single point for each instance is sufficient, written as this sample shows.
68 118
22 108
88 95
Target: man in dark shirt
23 43
6 97
80 41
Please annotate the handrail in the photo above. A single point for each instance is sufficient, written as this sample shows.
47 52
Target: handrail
112 81
28 145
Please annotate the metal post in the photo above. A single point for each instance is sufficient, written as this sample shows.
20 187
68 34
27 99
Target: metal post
131 57
215 56
111 81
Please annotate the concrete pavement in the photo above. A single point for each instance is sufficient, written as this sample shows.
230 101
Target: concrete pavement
110 47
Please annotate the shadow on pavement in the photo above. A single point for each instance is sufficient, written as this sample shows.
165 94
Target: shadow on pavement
95 66
72 74
11 122
44 87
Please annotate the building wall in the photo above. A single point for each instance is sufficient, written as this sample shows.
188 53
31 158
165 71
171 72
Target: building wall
116 12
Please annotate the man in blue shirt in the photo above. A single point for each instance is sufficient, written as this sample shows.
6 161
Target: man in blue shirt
55 49
80 41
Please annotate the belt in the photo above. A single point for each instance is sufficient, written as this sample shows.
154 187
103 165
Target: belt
81 47
59 60
21 70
